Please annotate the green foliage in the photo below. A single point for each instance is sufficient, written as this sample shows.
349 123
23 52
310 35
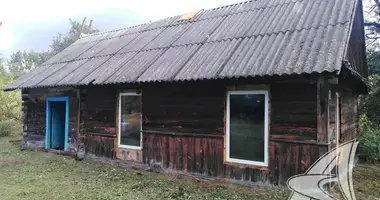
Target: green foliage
5 129
373 59
63 40
23 62
10 106
370 104
369 139
369 143
369 125
9 127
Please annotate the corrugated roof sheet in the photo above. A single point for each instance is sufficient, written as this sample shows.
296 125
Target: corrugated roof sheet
253 38
169 64
83 71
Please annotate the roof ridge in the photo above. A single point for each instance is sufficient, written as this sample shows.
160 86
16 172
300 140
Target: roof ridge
192 21
229 5
128 27
113 30
189 21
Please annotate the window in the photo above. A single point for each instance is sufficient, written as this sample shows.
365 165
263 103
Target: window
247 127
130 120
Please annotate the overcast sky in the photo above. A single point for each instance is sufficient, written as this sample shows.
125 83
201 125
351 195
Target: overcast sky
31 25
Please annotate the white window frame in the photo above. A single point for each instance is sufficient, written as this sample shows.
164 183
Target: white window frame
266 138
119 122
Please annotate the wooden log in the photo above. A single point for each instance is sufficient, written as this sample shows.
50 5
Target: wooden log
102 134
182 134
322 110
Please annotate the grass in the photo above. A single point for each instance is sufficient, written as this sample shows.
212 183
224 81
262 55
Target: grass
367 181
38 175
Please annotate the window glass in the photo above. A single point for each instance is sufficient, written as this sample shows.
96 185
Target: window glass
247 127
130 120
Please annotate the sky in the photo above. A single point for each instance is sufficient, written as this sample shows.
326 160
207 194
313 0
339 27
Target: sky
31 25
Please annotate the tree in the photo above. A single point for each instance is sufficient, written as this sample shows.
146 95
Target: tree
62 41
372 20
370 104
22 62
10 101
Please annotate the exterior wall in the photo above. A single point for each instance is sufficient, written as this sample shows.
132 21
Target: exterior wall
356 53
349 116
34 116
183 128
204 156
199 109
184 131
184 108
293 111
99 127
98 120
348 111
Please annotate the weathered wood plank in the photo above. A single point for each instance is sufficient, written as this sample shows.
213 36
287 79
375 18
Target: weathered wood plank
349 116
34 115
322 110
99 145
205 156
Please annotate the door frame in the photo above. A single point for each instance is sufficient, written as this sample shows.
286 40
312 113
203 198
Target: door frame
49 100
338 119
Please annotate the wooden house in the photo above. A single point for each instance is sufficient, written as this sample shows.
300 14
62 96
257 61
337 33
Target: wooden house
253 92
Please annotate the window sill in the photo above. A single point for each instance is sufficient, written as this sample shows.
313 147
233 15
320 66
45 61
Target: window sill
242 165
129 147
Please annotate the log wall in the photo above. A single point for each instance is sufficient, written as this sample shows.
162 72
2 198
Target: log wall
184 108
34 115
349 116
100 145
183 127
98 120
293 111
183 130
199 109
204 155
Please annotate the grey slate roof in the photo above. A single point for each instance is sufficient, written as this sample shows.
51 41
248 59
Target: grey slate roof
253 38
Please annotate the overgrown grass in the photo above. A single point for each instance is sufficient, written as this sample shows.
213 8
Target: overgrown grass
38 175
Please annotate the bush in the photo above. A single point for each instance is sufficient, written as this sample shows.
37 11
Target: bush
5 129
9 127
369 140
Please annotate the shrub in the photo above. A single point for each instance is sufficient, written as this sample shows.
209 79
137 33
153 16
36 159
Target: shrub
9 127
5 128
369 141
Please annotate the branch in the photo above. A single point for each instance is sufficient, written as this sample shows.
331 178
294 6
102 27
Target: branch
370 10
377 25
377 3
371 41
372 37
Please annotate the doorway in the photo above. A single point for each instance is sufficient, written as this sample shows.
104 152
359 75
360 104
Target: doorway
57 123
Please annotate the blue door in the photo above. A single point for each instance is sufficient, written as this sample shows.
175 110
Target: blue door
58 124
